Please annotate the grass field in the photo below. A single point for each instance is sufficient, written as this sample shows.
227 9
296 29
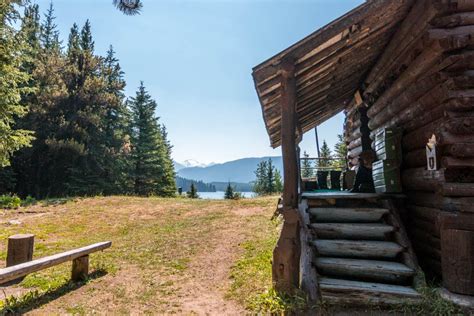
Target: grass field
168 255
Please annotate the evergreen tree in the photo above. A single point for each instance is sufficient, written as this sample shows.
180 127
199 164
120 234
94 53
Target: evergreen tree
49 36
229 192
167 183
306 167
149 149
86 43
259 186
278 182
13 84
340 150
268 179
192 193
325 155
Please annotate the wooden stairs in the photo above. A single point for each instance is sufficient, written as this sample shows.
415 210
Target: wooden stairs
360 253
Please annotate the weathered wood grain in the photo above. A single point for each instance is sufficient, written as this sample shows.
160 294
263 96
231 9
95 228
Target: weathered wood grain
11 273
357 249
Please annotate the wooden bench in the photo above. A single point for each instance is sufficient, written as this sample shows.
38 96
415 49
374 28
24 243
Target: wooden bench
79 258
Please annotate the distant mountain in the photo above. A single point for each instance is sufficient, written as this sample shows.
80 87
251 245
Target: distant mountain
241 170
189 163
178 166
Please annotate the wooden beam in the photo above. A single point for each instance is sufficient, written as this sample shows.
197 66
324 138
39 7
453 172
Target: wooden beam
288 134
14 272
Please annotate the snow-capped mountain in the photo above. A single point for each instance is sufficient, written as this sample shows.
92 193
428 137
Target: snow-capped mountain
191 163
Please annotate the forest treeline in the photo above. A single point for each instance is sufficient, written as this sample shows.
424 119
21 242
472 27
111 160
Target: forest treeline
66 127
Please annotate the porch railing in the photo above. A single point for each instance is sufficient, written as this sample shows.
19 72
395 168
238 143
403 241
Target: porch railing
309 166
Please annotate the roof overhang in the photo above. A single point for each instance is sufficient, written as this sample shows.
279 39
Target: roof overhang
330 65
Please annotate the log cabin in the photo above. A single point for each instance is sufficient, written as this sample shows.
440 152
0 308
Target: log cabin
388 65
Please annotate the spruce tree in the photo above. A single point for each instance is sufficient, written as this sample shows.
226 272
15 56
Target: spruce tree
340 150
192 193
278 182
325 155
306 167
49 36
260 183
229 192
270 178
167 183
148 147
13 84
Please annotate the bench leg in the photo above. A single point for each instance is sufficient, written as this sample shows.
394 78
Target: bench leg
80 268
20 250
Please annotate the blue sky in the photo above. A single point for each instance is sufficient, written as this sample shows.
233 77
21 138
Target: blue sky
196 57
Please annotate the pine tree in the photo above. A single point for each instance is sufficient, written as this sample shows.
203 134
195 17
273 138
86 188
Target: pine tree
259 185
306 167
49 36
325 155
192 193
270 177
13 84
148 148
340 150
167 183
278 182
86 43
229 192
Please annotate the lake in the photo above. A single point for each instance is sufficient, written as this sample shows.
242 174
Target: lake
219 195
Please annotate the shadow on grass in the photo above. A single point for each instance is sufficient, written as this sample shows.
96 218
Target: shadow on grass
34 299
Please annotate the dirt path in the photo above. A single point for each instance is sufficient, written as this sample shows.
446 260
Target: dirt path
204 289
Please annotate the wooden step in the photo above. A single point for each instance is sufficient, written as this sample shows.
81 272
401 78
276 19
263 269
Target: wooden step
360 293
357 249
364 231
372 270
347 215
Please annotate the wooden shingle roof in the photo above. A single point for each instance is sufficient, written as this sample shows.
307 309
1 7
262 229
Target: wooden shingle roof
330 64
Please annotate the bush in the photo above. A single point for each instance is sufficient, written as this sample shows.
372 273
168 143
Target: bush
10 201
28 201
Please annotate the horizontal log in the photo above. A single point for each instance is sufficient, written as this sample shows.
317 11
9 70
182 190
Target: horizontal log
362 231
426 213
450 204
459 150
454 20
451 162
428 240
424 225
354 144
14 272
357 249
456 189
347 215
415 158
420 179
355 152
354 292
382 271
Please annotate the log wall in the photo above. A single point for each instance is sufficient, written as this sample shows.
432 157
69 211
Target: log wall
423 83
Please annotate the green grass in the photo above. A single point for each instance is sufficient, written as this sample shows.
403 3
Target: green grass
153 243
252 274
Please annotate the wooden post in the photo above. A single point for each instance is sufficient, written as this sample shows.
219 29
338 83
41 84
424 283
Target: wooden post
80 268
286 255
457 260
288 134
20 250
